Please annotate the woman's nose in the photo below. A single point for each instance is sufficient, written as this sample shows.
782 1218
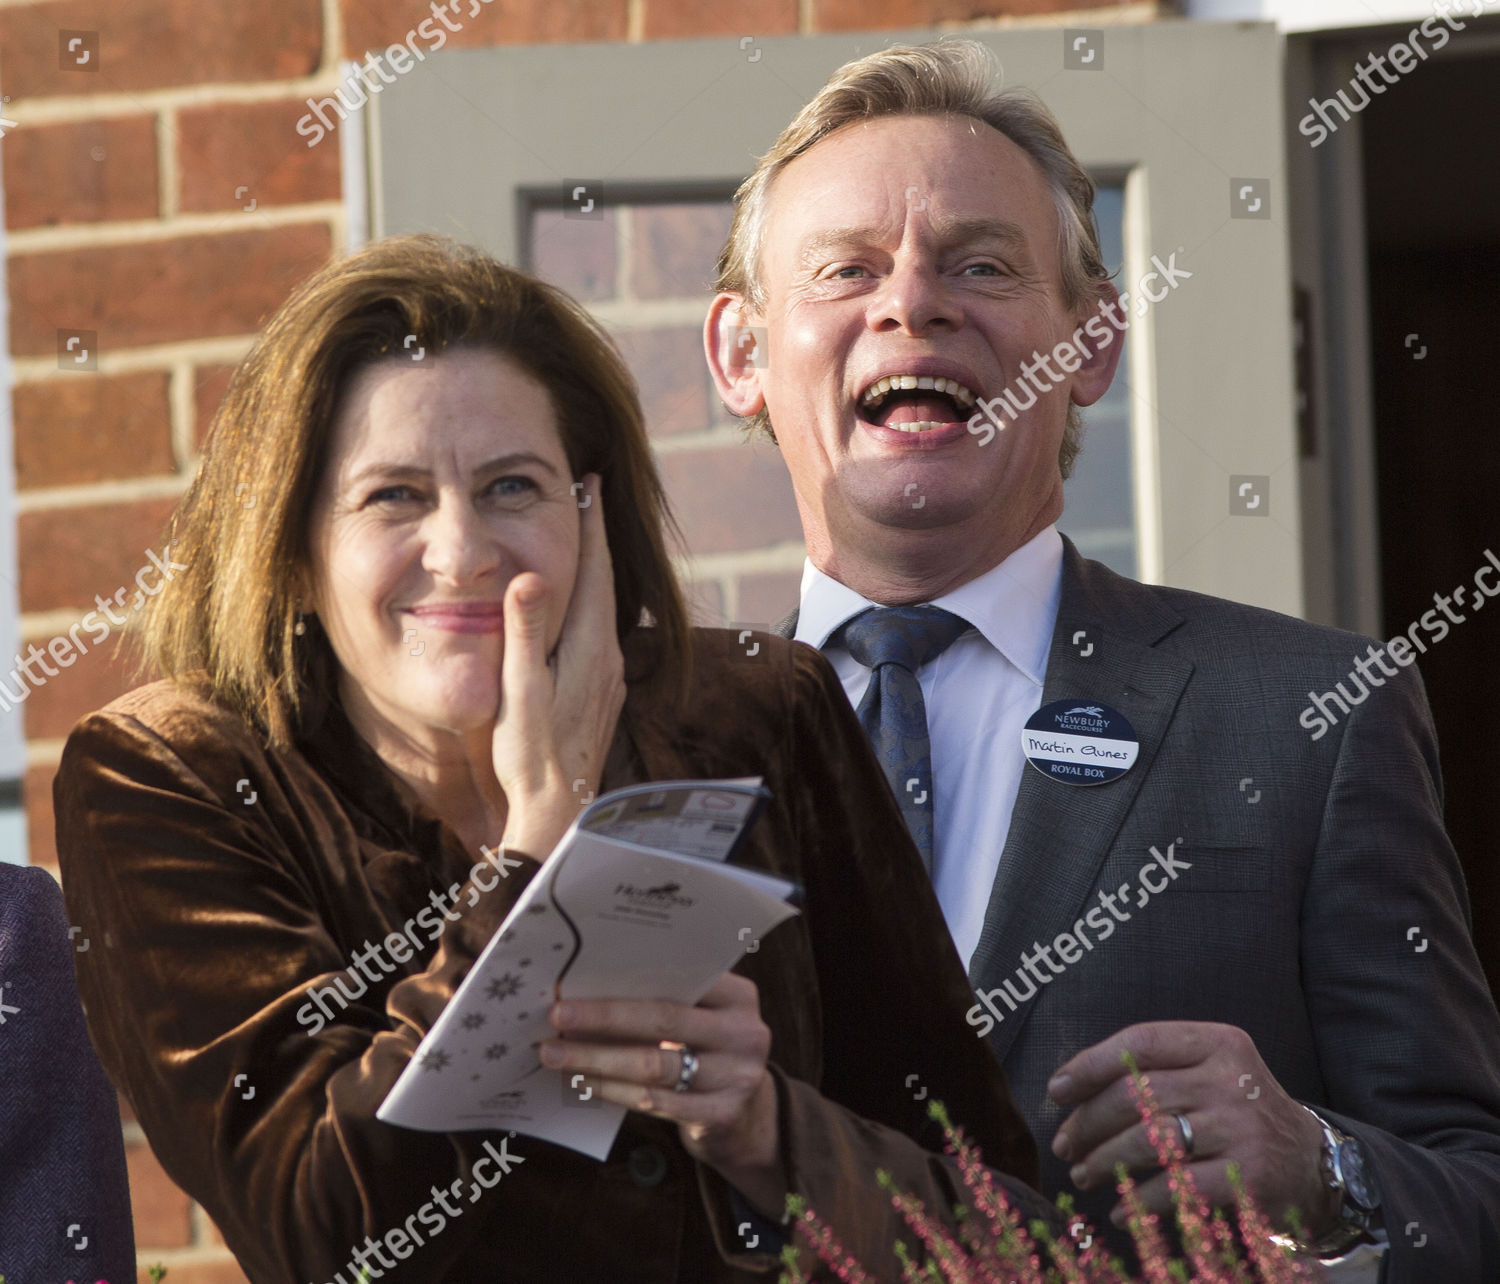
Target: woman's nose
457 544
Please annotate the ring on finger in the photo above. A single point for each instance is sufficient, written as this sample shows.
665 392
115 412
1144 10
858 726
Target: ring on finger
1187 1134
688 1064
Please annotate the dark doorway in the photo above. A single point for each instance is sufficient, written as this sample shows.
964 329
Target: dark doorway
1432 204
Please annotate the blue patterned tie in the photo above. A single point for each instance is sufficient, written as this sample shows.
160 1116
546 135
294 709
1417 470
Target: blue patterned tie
894 642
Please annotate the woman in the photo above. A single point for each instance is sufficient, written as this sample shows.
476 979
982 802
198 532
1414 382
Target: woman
422 550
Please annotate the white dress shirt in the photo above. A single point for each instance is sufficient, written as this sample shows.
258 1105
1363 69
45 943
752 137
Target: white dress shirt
979 694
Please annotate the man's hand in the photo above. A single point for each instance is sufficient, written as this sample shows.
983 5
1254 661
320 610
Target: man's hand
1214 1076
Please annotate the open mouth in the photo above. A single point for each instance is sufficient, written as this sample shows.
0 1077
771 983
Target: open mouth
915 403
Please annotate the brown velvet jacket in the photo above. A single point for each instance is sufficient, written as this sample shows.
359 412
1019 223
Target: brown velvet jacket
220 880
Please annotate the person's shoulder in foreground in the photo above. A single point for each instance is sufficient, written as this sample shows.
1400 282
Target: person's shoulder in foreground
65 1200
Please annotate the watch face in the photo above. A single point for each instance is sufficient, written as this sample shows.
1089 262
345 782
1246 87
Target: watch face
1359 1182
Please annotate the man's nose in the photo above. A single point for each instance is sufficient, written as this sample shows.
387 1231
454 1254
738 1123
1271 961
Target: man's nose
457 545
915 297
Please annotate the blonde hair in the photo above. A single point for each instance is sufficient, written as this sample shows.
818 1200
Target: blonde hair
952 77
230 616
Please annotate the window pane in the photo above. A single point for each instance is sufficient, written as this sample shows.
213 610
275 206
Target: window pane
1100 495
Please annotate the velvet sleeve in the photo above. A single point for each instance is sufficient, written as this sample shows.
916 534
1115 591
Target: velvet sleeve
208 928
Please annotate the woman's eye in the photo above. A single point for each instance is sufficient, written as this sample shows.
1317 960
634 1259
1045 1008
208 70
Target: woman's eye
513 486
981 269
390 494
847 273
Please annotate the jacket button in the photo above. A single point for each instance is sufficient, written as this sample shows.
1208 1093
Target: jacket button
647 1165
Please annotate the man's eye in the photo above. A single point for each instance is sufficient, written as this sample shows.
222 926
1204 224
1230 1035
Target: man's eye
849 273
981 269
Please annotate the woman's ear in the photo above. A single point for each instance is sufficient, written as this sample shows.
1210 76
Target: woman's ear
736 352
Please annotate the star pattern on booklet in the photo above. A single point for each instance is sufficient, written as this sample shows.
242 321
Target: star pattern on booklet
503 987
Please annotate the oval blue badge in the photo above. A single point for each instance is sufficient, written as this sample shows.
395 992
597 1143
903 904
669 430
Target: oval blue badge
1080 742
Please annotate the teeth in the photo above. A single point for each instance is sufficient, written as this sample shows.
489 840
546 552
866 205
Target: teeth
877 391
922 425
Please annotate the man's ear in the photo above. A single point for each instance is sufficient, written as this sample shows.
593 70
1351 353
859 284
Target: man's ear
736 353
1099 344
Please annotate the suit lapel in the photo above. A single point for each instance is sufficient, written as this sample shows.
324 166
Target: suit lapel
1060 834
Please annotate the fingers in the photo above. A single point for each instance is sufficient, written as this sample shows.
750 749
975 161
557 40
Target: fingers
1156 1045
1132 1147
591 610
617 1044
525 684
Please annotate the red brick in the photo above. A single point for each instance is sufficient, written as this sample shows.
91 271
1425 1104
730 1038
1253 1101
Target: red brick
673 377
89 171
670 19
189 287
41 833
89 683
162 1218
92 427
378 24
67 555
875 15
254 146
730 498
154 44
215 1270
575 254
674 248
768 596
210 383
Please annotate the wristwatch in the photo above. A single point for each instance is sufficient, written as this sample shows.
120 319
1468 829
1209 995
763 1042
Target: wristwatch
1346 1169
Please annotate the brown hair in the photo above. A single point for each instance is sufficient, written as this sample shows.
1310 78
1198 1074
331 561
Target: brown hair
950 77
231 614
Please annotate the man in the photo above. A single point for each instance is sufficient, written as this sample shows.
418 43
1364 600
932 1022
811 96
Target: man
911 226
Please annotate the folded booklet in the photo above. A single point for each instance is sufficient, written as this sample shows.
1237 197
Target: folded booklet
636 902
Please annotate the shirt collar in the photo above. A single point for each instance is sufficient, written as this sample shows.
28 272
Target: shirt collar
1014 604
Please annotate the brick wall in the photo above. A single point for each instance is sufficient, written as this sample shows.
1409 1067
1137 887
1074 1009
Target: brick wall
159 206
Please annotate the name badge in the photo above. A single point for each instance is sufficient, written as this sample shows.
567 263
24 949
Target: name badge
1078 742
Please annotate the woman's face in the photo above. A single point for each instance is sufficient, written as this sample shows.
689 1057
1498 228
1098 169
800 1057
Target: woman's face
446 477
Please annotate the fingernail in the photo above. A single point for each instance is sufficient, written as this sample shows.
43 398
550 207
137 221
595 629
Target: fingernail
563 1014
1059 1086
552 1055
1078 1174
1062 1147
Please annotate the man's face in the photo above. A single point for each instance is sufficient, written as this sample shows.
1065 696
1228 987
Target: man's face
914 246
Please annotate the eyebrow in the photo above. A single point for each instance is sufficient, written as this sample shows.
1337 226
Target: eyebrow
394 471
948 230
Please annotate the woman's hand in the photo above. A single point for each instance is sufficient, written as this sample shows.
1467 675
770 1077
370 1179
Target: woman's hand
555 721
727 1118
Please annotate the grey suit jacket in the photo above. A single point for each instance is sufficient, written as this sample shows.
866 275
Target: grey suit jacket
1314 900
